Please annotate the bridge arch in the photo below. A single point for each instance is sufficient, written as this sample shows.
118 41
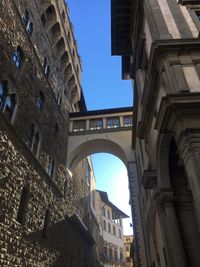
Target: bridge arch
93 146
108 131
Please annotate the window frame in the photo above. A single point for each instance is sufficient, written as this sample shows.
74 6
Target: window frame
17 57
5 108
79 129
96 126
26 17
127 124
112 125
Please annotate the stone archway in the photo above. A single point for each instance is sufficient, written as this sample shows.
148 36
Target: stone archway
95 146
184 206
175 197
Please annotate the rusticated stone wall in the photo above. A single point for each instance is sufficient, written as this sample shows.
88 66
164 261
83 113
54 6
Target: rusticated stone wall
40 227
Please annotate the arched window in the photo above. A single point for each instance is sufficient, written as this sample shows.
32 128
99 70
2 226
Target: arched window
7 100
33 140
23 205
40 101
27 22
46 67
17 57
50 167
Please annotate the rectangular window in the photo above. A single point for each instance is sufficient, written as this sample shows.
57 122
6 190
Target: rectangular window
96 124
79 126
112 122
128 121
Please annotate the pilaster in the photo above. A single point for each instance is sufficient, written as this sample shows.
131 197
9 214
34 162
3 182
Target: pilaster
189 151
174 249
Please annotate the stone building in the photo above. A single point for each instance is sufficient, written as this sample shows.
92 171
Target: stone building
44 215
160 48
128 250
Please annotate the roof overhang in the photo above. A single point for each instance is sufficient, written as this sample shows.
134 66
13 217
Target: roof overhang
121 27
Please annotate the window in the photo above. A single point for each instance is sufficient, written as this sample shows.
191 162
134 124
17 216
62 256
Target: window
96 124
33 140
127 121
17 57
79 126
7 100
40 101
50 167
3 93
46 67
23 205
103 211
28 24
127 248
112 123
104 225
109 228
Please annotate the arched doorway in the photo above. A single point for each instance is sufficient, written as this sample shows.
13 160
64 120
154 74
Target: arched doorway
184 208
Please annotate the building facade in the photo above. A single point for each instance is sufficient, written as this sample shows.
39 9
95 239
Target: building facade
111 229
44 215
128 248
160 48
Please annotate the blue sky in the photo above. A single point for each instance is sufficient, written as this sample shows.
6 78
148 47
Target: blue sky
103 88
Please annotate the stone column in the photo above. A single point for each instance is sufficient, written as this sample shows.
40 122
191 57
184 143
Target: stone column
170 228
189 151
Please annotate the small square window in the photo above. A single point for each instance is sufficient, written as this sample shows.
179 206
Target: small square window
96 124
112 123
79 126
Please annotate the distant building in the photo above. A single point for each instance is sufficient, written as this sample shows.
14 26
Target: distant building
128 245
111 228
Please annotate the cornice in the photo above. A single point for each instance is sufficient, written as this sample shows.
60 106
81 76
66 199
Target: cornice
177 107
159 48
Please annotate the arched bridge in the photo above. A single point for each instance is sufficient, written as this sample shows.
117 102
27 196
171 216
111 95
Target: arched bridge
108 130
